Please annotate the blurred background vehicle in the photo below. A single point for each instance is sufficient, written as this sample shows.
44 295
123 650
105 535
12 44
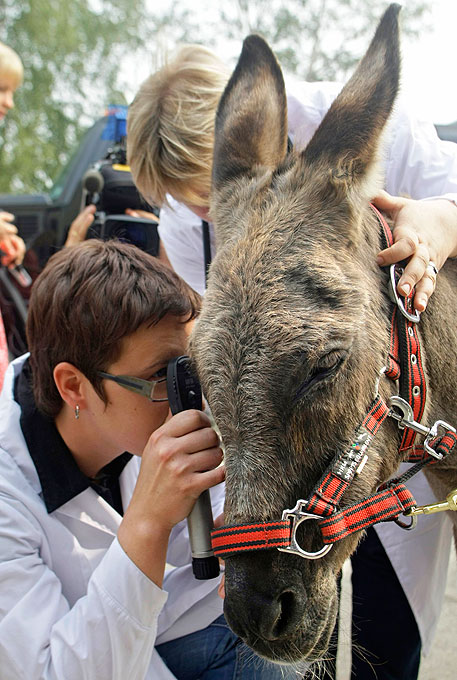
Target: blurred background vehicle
96 173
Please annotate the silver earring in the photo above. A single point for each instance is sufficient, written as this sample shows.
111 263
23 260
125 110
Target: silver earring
77 411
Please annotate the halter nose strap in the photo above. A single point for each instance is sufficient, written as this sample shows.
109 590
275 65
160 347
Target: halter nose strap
238 538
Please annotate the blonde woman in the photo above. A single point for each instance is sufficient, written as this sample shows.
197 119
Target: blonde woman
11 245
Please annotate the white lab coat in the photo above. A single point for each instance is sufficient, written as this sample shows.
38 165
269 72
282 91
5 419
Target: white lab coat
418 164
73 606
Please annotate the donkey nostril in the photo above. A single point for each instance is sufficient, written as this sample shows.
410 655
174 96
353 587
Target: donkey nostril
287 619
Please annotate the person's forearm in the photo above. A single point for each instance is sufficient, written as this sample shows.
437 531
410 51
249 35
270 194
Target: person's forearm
449 223
145 544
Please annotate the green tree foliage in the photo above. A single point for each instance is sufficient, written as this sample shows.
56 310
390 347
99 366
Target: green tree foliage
313 39
72 54
76 54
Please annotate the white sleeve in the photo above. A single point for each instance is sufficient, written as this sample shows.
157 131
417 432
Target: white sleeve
418 163
307 104
192 604
180 231
108 634
179 553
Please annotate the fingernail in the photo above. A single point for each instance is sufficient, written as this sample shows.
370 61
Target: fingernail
420 303
380 260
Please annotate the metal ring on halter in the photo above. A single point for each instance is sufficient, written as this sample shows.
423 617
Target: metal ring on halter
403 525
433 432
415 317
298 516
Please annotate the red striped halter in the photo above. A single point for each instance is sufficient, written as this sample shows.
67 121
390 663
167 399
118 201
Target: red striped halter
392 498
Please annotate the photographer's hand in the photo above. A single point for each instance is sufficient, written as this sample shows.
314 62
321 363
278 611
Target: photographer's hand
179 462
11 244
78 228
142 213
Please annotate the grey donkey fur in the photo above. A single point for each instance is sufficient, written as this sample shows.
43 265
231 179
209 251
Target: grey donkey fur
294 291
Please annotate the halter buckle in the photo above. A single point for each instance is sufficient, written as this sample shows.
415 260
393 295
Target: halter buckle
406 419
298 516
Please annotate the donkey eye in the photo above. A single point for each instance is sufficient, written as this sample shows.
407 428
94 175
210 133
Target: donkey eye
330 361
325 369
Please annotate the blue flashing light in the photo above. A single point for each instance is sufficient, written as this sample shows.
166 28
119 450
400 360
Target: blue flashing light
116 126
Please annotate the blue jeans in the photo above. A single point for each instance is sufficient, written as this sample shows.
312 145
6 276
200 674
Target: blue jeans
385 636
215 653
383 624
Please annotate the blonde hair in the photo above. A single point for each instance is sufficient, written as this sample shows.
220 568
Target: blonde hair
170 127
10 65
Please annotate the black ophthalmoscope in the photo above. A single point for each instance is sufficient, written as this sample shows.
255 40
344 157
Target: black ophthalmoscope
184 392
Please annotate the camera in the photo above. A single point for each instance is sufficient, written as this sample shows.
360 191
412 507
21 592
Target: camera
108 184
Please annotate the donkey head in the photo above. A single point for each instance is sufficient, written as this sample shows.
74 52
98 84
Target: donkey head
293 331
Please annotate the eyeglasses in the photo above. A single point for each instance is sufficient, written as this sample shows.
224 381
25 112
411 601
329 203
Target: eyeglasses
155 390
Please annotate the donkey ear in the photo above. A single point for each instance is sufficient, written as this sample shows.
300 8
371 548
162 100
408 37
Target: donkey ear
251 120
346 142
